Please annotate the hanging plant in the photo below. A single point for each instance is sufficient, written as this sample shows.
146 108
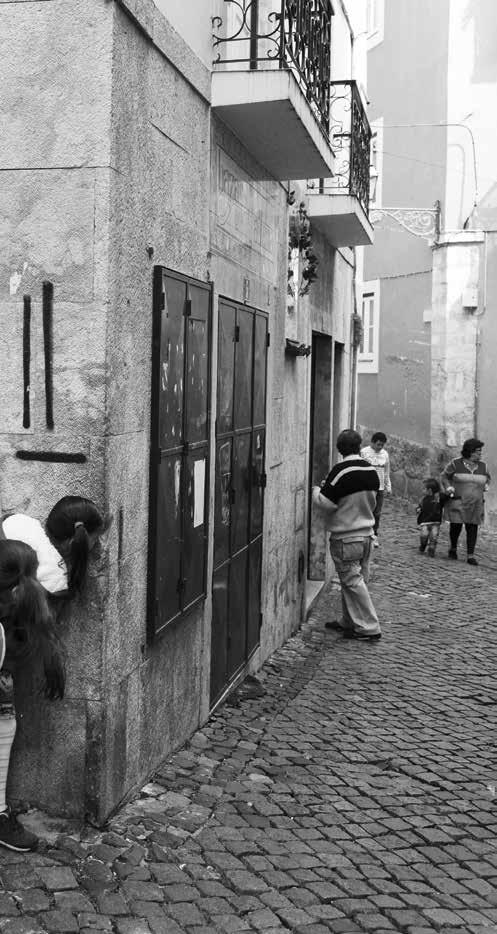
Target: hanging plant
300 242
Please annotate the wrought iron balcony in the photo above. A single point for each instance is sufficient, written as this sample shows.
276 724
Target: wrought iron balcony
350 136
341 203
280 34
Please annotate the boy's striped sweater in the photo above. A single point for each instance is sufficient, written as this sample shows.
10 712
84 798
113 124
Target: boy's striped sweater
348 497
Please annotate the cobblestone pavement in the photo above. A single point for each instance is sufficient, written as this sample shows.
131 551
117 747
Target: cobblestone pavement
354 792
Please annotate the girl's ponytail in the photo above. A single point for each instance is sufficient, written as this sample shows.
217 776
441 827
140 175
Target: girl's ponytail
72 526
79 551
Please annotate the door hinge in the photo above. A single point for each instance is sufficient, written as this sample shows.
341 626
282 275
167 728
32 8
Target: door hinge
232 495
188 307
260 621
268 340
237 333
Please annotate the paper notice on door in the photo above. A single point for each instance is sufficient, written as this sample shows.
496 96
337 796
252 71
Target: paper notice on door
198 493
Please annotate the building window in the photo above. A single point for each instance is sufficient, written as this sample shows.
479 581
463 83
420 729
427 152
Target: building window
376 163
375 17
370 315
179 447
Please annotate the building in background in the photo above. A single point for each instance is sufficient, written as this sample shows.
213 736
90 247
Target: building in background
177 344
428 354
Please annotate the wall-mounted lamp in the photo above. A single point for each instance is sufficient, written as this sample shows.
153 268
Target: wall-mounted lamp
296 349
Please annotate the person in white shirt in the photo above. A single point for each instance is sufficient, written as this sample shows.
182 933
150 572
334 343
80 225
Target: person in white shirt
376 455
63 546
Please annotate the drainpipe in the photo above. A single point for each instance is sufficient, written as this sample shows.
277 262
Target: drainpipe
480 314
354 344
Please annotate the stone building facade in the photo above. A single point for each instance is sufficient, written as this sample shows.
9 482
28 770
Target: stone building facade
160 356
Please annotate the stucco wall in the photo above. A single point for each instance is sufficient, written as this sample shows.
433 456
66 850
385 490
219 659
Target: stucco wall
456 267
159 215
486 367
471 105
397 400
55 73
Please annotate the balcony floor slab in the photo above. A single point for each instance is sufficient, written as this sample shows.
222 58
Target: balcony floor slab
268 112
341 218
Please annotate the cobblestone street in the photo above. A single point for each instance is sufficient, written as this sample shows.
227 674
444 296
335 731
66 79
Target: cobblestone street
354 791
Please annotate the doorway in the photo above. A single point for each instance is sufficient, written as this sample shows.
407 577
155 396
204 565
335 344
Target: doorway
319 448
240 480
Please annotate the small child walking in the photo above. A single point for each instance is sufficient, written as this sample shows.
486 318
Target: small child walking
376 455
430 513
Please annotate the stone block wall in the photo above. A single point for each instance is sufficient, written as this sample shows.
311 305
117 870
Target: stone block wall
55 73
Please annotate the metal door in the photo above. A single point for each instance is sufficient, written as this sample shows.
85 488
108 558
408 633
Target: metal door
240 479
179 447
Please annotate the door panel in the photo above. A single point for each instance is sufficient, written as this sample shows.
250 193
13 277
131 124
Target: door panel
254 595
241 487
219 642
168 561
243 369
237 622
225 368
260 353
222 508
197 370
194 533
258 481
172 362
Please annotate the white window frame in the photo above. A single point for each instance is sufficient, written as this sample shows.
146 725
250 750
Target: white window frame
368 357
376 160
375 22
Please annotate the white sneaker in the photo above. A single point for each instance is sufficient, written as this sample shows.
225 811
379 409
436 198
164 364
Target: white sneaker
376 543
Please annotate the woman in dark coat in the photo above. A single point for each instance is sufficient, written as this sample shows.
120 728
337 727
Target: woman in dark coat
465 480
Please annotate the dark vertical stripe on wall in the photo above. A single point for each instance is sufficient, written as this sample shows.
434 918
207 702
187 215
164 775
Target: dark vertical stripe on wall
26 361
47 307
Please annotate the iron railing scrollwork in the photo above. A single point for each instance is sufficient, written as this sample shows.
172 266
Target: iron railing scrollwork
350 136
293 34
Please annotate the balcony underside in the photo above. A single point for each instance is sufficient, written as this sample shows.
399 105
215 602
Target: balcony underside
270 115
341 219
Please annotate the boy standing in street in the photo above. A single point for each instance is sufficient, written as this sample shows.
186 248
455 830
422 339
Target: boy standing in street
377 456
347 499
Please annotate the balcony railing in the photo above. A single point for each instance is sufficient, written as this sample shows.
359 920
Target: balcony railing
292 34
350 137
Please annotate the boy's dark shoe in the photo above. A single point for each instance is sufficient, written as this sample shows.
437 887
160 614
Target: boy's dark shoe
431 552
422 549
14 836
472 560
335 625
453 554
363 636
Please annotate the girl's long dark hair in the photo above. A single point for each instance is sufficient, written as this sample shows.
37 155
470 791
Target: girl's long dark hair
72 520
29 626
